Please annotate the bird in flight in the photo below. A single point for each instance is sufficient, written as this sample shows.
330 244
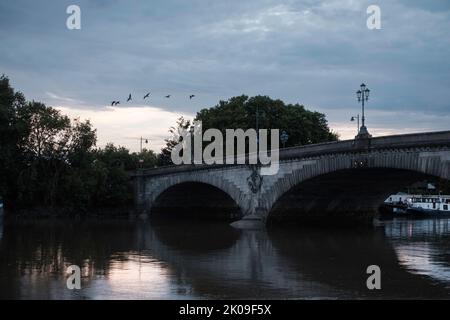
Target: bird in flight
168 96
191 96
129 98
147 95
115 103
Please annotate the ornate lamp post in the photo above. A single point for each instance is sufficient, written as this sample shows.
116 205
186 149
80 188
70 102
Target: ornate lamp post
363 96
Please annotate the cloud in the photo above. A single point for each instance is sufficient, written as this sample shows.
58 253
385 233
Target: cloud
312 52
60 98
125 126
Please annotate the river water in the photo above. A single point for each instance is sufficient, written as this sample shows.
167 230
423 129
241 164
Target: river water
124 259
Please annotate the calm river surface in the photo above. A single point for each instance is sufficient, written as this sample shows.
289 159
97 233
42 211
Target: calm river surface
140 260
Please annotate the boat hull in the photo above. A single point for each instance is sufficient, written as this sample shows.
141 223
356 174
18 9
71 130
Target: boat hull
420 212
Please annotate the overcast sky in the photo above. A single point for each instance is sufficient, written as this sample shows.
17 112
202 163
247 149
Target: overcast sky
315 53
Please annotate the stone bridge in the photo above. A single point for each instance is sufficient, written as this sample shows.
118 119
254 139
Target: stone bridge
344 179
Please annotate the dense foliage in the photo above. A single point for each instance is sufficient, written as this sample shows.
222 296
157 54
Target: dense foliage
302 126
48 160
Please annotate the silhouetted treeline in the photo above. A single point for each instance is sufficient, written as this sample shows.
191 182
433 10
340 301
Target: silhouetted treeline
50 161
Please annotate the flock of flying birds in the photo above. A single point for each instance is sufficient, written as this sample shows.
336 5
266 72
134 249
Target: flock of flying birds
115 103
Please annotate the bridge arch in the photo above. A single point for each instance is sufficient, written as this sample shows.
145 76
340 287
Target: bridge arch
211 190
349 184
195 200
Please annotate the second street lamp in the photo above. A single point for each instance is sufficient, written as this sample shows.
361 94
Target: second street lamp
142 140
284 138
357 123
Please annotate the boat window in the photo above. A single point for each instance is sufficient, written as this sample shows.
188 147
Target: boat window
445 207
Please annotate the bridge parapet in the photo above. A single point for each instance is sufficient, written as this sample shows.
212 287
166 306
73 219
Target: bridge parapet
405 141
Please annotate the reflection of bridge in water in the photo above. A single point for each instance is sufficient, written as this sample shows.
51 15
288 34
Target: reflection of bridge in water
339 179
220 261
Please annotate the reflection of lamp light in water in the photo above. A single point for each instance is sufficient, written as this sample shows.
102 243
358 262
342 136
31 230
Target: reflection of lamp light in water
423 259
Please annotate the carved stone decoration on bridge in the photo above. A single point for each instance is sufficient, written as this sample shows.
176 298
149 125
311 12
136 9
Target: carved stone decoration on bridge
255 180
360 163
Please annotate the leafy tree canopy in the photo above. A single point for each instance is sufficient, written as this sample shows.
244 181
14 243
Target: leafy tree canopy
302 126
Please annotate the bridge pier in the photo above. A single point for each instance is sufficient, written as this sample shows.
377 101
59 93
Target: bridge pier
251 221
141 202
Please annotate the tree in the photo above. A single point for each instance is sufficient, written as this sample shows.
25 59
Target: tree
145 159
83 139
47 160
303 126
11 134
176 132
54 148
